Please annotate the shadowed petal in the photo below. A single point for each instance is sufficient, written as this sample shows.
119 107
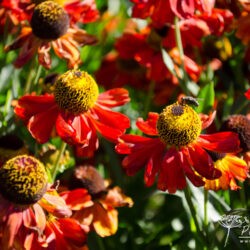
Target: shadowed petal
149 126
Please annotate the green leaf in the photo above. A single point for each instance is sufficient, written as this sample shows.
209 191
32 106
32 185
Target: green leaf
168 61
206 98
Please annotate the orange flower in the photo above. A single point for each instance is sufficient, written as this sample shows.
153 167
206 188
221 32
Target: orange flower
46 31
99 213
232 168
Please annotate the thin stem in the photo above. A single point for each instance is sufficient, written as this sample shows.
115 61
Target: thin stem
193 214
205 221
57 162
184 79
38 73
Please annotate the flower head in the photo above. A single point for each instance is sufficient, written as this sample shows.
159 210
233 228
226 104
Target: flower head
76 110
25 199
232 168
94 203
175 149
50 27
239 124
49 21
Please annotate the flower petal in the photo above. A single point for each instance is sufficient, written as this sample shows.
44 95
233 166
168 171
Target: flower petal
222 142
171 176
77 199
202 162
114 97
30 105
40 126
149 126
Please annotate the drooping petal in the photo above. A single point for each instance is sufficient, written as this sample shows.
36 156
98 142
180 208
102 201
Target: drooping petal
149 126
40 125
207 119
171 176
55 204
114 97
105 221
141 155
13 224
222 142
71 230
192 175
65 130
202 162
44 57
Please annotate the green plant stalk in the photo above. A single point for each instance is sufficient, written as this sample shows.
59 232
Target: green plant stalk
188 197
184 80
205 221
30 82
57 162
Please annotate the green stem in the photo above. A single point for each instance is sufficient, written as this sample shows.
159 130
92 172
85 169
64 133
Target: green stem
32 75
184 79
57 162
38 73
188 197
205 221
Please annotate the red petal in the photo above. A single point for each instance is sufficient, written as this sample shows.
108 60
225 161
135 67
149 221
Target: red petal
72 231
127 142
30 105
171 175
13 224
207 119
202 162
114 97
65 130
141 154
111 118
247 94
149 126
77 198
222 142
40 125
192 176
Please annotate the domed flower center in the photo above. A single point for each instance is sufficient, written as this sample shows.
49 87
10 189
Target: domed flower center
178 125
239 124
23 180
49 21
76 91
62 2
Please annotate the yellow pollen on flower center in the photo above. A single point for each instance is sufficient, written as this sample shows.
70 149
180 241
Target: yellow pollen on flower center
49 21
178 125
76 91
23 180
61 2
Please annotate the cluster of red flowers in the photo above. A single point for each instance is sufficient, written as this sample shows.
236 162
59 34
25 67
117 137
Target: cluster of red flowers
36 211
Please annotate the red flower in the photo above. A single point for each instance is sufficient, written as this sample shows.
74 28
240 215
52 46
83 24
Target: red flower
41 34
175 148
12 13
75 110
247 94
25 200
